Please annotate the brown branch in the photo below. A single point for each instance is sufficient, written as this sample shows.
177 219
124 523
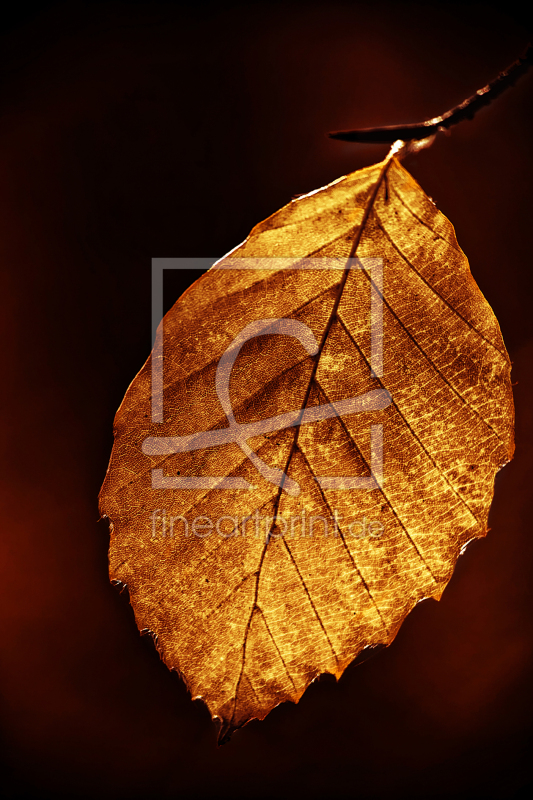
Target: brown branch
465 110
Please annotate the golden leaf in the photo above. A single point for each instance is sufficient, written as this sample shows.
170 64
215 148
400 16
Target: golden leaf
373 407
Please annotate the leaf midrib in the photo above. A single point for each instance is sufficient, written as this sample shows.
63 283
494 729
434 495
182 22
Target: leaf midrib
331 319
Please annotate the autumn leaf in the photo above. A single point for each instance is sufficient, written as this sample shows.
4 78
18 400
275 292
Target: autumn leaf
331 419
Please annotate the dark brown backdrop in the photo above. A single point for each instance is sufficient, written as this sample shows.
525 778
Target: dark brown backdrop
137 130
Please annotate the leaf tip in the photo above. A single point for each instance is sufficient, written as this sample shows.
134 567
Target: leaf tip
225 730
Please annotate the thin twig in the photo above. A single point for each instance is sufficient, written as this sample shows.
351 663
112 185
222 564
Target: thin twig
465 110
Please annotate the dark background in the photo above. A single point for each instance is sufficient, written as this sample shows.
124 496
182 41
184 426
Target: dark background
135 130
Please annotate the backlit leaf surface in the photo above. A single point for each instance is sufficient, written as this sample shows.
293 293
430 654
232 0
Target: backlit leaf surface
250 613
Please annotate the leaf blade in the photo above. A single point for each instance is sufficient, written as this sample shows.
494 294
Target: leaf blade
273 611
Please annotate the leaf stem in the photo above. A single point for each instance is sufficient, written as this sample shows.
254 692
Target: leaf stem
465 110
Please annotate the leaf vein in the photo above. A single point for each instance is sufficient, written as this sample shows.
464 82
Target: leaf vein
344 542
308 593
452 244
432 364
407 423
382 491
276 646
472 327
